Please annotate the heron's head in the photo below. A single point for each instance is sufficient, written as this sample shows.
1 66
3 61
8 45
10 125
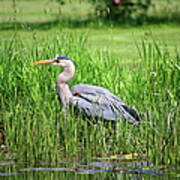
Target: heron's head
61 61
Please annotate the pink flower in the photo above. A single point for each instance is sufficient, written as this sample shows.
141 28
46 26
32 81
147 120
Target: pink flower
117 1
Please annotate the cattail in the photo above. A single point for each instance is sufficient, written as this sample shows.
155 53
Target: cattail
45 11
60 11
154 76
108 10
91 23
9 18
98 13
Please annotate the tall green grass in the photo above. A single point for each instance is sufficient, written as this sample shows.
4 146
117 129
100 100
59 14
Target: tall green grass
36 128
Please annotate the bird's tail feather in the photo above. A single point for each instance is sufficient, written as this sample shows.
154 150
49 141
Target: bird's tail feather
131 115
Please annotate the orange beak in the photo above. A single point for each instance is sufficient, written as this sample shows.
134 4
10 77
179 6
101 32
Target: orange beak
44 62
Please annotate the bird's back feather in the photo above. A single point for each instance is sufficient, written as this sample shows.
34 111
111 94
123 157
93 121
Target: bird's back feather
94 101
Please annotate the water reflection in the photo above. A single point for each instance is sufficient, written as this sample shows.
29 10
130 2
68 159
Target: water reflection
94 171
97 169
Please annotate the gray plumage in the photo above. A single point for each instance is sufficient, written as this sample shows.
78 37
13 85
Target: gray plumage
91 101
98 102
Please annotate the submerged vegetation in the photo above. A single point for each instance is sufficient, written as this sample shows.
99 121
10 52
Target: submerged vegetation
34 124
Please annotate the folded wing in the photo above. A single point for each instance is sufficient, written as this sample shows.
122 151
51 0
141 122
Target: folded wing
98 102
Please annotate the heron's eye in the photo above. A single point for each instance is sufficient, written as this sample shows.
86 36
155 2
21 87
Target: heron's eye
58 60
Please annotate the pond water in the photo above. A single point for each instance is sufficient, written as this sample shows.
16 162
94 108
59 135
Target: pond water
101 169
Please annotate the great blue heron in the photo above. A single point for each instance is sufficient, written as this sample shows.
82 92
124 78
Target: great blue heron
91 101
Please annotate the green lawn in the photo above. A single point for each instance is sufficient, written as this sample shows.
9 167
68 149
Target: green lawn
39 11
120 41
43 10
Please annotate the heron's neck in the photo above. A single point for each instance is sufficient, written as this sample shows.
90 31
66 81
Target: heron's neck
63 91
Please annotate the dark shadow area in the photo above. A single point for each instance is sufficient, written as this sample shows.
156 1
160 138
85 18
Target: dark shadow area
170 18
91 23
29 26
